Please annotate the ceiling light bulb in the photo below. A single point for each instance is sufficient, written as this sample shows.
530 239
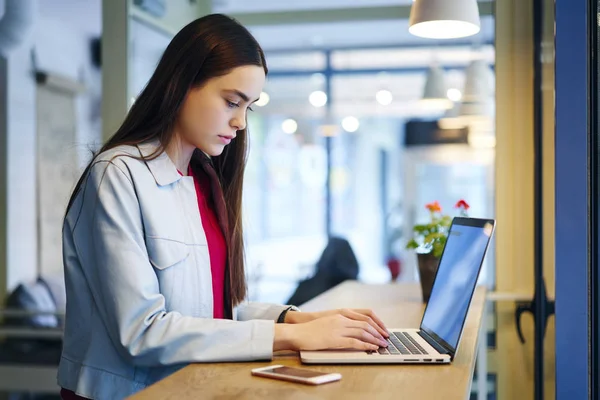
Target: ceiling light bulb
318 98
350 124
289 126
263 100
384 97
454 94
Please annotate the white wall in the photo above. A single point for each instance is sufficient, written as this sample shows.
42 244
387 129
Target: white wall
61 48
21 219
64 49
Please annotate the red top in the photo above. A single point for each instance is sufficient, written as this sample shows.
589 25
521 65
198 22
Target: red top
217 247
66 394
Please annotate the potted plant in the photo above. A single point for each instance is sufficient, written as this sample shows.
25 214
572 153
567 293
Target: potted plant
429 240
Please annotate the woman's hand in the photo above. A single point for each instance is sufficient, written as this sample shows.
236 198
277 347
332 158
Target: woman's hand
334 331
363 315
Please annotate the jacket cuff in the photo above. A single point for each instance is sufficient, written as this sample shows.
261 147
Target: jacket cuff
254 310
263 337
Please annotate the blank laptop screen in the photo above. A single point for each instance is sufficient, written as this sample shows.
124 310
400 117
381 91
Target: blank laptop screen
455 281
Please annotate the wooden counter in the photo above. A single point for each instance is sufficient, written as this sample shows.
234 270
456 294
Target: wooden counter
398 304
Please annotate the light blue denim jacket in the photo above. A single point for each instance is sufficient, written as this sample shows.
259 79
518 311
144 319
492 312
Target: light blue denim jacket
138 281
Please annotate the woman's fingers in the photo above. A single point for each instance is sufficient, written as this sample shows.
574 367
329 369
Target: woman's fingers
370 314
360 316
338 332
376 319
355 344
364 335
352 323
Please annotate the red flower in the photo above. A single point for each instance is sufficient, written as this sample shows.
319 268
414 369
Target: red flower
462 204
433 207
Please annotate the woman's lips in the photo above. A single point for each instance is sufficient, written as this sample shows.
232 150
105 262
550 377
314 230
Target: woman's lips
226 139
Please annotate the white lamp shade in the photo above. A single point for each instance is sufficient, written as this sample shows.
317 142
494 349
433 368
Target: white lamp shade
470 111
451 119
435 93
478 82
481 140
444 19
482 126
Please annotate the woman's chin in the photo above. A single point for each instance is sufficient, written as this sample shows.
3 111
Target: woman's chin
214 151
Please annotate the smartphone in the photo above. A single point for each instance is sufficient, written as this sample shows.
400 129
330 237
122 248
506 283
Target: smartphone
299 375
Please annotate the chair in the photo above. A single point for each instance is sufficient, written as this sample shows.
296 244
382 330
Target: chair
31 339
336 265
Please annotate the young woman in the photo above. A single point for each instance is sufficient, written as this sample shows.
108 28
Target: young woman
152 237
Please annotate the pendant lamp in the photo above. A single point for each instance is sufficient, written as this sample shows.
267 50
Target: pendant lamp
435 93
444 19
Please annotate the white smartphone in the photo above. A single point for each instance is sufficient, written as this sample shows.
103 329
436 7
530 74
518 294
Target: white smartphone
299 375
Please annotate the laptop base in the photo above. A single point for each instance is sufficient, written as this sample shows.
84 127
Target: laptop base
363 357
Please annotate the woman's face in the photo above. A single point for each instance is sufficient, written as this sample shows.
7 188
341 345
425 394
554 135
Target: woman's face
212 114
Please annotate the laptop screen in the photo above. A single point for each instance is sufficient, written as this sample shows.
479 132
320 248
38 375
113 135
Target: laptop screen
456 279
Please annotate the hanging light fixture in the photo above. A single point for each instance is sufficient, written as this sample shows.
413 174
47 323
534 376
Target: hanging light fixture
451 119
435 93
483 140
444 19
478 116
477 102
478 81
476 109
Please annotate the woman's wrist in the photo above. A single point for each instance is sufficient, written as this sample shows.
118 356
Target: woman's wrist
296 317
284 337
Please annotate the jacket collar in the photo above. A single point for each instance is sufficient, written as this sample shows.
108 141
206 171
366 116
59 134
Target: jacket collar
162 168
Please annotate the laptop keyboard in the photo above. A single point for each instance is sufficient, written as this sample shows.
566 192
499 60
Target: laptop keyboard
401 343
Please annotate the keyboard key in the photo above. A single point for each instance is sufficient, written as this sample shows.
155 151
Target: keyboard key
406 342
400 346
414 341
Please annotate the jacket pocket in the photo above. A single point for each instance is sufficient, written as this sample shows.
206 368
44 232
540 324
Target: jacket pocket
164 253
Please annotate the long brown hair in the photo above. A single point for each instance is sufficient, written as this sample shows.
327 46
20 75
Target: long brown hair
206 48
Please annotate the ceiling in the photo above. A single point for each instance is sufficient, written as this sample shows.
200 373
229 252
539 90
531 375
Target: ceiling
352 93
86 16
356 94
354 34
257 6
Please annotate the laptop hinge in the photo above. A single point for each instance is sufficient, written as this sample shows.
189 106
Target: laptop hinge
438 347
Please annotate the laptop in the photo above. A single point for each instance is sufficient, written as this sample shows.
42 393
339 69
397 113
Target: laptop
437 339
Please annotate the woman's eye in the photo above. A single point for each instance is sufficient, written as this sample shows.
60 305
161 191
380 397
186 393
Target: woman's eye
231 104
250 109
